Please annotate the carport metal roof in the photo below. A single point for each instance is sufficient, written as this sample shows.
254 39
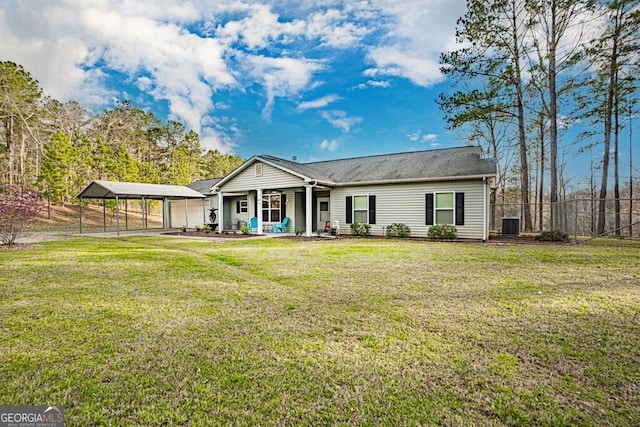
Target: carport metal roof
134 190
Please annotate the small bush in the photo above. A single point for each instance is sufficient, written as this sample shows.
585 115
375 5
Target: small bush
207 228
552 236
18 210
360 229
299 232
319 232
398 230
244 229
443 231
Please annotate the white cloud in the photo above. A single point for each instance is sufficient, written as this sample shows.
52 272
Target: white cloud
418 32
391 61
373 83
340 120
329 145
332 27
184 52
280 77
379 83
260 28
318 103
418 136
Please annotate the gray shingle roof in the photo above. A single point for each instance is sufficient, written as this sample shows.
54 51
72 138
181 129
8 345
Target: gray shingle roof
448 163
204 185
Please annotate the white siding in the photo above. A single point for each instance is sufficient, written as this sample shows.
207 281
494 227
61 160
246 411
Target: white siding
271 178
405 203
299 209
198 210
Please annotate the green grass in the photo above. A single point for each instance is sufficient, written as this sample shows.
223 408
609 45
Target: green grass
159 331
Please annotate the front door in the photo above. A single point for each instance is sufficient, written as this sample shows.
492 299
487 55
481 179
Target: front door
323 212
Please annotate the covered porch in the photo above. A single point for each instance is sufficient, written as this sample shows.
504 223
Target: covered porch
299 210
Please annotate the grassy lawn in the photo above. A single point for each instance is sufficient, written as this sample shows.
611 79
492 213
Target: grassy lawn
161 331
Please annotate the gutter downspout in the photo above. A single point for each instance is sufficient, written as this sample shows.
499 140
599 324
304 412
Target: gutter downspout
484 210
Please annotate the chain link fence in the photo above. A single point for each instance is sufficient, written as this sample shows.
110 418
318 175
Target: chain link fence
578 218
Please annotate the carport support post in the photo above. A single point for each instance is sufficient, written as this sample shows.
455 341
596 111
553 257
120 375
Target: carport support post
165 213
117 216
80 207
104 216
309 210
144 219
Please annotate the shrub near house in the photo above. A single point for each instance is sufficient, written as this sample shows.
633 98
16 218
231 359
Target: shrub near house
18 210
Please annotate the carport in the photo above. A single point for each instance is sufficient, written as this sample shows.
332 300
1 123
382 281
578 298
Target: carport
137 191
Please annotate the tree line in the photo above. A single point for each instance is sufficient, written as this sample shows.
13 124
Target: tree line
526 73
58 147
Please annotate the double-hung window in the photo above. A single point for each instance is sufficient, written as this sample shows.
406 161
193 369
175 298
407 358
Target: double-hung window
271 207
445 208
361 208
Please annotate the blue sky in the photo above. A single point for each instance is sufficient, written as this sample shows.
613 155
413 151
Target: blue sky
312 79
317 79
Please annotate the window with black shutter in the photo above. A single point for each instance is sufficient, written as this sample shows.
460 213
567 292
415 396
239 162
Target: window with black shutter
459 208
429 208
349 210
372 209
444 208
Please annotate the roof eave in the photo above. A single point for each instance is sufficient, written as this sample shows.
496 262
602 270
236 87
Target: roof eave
410 180
252 160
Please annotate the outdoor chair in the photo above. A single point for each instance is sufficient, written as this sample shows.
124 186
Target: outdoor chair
282 226
253 225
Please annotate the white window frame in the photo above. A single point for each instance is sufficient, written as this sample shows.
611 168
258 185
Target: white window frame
244 206
354 210
258 169
267 198
452 208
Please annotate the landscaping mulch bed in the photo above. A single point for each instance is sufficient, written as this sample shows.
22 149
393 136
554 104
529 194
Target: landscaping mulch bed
211 234
501 240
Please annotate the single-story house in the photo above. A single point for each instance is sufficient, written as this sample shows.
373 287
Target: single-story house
419 189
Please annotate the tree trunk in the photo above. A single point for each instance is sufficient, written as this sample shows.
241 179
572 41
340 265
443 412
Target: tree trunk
607 136
553 119
522 139
9 137
616 159
541 194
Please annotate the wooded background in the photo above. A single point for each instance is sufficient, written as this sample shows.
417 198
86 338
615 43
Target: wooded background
59 147
526 72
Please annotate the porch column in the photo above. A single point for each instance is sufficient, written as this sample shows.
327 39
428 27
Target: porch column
220 212
309 210
259 210
186 213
